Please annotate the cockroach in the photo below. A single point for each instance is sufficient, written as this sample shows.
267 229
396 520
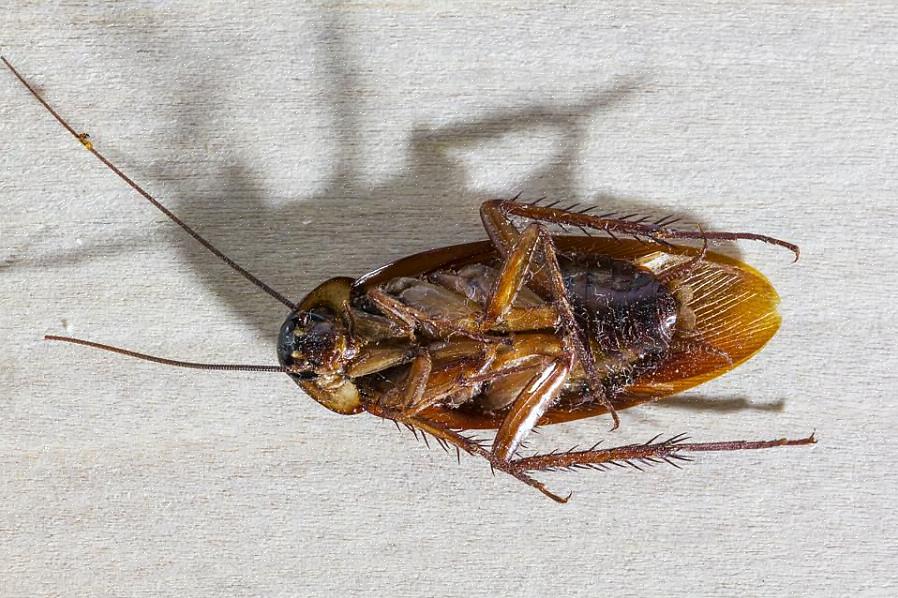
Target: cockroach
525 329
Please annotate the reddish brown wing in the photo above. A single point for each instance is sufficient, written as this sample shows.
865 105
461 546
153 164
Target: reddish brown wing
734 305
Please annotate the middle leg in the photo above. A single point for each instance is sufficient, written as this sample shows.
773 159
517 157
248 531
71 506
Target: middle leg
533 252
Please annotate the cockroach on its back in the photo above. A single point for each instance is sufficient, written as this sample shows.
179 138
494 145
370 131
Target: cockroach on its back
525 329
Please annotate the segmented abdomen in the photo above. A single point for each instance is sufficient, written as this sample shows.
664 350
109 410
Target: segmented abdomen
627 313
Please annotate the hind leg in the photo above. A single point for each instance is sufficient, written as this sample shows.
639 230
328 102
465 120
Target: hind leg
650 453
495 214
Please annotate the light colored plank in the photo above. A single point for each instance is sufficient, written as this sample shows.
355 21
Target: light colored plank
327 140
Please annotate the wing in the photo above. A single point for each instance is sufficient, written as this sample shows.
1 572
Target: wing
735 315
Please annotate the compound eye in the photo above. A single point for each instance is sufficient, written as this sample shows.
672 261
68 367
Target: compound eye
287 340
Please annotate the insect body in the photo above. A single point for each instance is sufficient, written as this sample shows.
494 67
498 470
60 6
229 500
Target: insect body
525 329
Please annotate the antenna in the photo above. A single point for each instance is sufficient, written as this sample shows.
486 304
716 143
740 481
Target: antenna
165 361
84 139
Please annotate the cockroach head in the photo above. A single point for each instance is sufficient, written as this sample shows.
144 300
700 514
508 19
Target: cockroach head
315 345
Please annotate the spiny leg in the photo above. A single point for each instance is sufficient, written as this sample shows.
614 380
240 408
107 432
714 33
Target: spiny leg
426 387
497 211
575 337
499 313
474 448
649 453
423 389
446 435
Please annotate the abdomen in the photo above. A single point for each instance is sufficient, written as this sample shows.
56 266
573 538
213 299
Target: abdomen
629 315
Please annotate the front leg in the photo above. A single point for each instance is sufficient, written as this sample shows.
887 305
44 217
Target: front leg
413 318
413 398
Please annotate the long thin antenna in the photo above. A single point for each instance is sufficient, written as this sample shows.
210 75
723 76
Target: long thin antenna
84 139
164 361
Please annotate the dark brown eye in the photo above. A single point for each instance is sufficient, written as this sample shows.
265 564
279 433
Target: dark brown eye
287 339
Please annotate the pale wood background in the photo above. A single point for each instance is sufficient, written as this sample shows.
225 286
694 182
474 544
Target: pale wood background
329 139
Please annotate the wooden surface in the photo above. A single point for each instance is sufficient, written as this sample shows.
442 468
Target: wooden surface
327 140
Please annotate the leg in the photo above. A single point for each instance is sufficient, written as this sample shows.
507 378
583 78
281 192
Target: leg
418 375
426 386
511 277
377 328
397 310
519 259
495 214
499 313
448 437
420 391
473 447
530 405
649 453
